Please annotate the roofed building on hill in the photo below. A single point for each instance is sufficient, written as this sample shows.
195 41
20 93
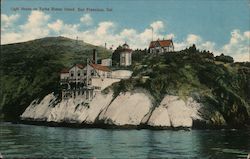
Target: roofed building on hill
85 81
161 46
74 74
100 71
78 80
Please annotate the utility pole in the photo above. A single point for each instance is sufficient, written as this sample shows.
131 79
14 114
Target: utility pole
87 74
152 33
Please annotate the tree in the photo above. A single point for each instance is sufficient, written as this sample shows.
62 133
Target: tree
116 56
223 58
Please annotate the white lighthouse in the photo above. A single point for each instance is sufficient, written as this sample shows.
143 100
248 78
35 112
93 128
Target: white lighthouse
125 55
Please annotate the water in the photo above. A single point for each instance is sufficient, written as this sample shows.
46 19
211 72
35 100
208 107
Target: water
17 140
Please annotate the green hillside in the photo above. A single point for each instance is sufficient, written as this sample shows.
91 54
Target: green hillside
31 69
221 85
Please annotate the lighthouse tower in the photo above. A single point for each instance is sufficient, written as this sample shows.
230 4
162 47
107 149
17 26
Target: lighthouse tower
125 55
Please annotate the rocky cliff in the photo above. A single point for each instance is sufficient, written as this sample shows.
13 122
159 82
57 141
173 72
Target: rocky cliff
127 109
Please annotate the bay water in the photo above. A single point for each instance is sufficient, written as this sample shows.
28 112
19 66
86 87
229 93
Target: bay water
30 141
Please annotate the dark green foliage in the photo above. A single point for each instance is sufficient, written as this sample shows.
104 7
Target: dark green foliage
116 57
223 58
121 87
30 70
224 89
137 55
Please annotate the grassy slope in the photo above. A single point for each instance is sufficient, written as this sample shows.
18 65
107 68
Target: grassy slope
224 88
31 69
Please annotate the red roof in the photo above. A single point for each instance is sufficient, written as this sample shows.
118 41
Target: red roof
152 44
65 70
100 67
162 43
80 66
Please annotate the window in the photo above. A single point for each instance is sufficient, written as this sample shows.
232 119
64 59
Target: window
78 73
123 59
72 73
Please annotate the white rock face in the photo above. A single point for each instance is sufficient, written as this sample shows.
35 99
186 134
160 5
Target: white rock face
97 106
175 112
130 108
127 109
71 110
122 74
159 117
39 110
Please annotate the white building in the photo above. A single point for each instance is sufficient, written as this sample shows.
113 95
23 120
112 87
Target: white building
100 71
76 73
125 55
106 62
161 46
83 81
64 74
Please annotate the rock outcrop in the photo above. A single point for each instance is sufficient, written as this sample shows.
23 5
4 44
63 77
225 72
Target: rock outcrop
127 109
174 112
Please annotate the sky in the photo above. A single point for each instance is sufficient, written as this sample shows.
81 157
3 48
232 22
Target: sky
220 26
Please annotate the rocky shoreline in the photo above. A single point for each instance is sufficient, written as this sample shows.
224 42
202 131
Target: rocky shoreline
197 126
98 125
129 110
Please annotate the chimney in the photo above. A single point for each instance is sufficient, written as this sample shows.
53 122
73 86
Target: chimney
94 56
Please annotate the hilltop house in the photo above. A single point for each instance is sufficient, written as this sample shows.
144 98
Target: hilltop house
161 46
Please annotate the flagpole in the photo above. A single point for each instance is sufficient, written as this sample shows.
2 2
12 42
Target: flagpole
152 33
